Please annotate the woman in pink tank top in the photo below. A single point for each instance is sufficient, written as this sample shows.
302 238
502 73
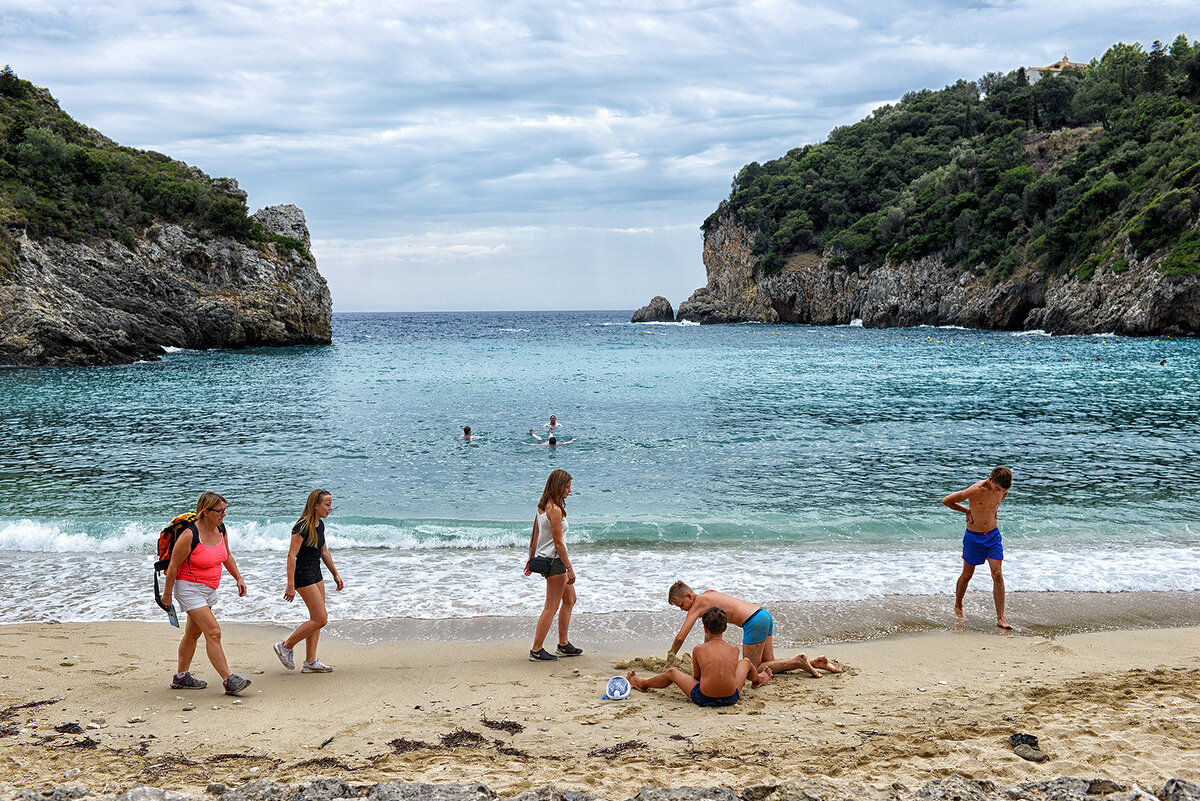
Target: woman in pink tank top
193 576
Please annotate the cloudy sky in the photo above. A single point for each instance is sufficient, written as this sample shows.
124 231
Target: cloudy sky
519 155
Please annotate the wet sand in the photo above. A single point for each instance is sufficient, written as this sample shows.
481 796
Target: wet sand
1119 704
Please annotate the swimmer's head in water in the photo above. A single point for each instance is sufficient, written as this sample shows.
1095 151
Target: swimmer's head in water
553 419
466 431
553 440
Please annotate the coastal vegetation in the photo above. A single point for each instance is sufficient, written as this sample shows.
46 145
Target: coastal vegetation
1069 170
61 179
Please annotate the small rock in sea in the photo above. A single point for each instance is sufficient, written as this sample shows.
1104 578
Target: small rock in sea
920 689
137 720
237 702
93 725
67 662
188 708
215 706
606 726
543 728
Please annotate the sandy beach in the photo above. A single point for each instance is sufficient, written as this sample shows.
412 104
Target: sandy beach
94 698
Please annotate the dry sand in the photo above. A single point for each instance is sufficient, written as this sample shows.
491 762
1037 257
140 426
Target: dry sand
1123 705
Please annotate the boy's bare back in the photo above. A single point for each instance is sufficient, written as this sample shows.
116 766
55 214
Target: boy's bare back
737 610
715 663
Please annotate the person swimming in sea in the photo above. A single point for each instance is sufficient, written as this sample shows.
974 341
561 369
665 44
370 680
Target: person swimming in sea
552 440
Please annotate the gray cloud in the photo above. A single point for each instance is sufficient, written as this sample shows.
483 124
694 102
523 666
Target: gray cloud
461 154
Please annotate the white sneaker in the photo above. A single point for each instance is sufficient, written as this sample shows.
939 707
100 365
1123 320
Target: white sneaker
316 666
285 656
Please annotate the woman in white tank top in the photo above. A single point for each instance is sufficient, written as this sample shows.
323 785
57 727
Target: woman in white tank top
547 542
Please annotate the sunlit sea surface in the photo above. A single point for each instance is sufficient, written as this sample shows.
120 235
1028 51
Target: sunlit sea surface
801 467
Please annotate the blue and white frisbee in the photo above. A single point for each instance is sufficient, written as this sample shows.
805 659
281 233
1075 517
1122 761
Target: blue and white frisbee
617 689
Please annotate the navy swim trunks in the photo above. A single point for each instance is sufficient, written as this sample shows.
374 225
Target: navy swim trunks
757 628
978 548
700 699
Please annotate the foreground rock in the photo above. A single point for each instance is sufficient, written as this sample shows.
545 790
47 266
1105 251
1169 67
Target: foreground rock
659 311
954 788
1138 300
71 303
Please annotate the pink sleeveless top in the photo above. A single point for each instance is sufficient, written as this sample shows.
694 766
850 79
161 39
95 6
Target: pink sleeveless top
204 565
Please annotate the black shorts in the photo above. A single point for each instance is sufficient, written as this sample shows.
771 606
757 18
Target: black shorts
308 574
557 567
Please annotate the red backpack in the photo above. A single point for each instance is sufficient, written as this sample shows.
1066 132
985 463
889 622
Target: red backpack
166 543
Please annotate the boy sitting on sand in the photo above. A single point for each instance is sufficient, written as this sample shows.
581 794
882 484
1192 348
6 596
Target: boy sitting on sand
719 675
757 629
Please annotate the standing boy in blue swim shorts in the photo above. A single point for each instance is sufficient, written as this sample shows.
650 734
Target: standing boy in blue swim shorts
758 643
717 673
981 541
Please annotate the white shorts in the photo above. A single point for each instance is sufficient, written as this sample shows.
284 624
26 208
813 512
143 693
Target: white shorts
191 595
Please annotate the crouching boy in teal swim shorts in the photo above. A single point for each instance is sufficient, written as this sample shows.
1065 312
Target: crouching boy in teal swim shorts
758 629
717 673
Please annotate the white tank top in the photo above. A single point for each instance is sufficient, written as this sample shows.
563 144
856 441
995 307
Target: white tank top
545 540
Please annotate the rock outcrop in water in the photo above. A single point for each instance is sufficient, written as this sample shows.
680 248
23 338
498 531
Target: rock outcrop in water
1138 300
91 303
658 311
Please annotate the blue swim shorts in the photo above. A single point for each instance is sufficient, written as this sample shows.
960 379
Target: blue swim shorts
757 628
700 699
978 548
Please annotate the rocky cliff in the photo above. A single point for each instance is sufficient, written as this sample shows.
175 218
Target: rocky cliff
1137 299
112 302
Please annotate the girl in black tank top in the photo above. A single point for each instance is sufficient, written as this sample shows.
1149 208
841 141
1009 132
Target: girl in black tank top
305 555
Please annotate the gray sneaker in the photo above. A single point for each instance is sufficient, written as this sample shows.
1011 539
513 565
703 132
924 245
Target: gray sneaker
285 656
316 666
186 681
234 684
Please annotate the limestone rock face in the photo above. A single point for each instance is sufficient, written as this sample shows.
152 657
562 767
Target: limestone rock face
1139 300
659 311
70 303
286 220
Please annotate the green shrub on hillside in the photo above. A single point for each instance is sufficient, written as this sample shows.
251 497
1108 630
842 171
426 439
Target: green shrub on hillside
61 179
998 172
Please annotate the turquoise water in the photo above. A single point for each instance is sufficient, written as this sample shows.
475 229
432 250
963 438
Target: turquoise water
783 462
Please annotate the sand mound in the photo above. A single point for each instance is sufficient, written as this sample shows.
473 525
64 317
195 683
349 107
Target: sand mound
656 664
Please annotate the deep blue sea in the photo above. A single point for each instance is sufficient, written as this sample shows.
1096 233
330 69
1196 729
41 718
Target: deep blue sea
782 463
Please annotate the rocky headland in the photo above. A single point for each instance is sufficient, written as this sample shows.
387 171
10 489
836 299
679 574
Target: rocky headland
1063 202
110 254
1139 299
107 302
